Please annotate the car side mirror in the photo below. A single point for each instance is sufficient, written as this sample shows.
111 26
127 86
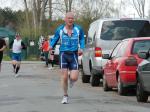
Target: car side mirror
143 54
105 56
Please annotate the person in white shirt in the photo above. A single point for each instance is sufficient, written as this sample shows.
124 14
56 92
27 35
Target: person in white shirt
16 46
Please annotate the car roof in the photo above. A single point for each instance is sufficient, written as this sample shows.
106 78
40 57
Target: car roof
116 19
138 38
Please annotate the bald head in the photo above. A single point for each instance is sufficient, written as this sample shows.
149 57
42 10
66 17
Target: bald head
70 14
69 19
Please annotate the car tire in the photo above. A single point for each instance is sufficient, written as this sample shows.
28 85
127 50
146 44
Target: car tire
140 93
105 85
95 80
121 89
85 78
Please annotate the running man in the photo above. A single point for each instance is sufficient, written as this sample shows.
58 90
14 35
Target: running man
2 47
17 45
71 37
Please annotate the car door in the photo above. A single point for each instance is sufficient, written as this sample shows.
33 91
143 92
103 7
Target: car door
118 61
86 56
110 67
145 73
89 49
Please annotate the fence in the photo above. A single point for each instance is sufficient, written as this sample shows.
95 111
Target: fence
31 53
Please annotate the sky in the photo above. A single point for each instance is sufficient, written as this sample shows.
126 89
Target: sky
130 11
18 4
13 4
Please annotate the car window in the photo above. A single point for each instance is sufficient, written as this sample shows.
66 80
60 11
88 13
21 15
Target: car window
121 29
140 45
91 33
116 49
148 59
122 49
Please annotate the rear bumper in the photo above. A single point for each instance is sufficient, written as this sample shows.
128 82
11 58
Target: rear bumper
97 71
129 84
128 78
145 79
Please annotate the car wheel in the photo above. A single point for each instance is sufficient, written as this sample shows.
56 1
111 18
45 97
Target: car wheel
121 89
140 93
85 78
95 80
105 85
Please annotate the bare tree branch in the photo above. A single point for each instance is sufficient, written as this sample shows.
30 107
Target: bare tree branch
139 6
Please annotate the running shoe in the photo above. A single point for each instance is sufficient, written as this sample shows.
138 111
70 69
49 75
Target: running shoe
51 68
16 75
65 100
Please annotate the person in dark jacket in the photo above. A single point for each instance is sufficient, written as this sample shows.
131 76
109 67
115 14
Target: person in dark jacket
2 47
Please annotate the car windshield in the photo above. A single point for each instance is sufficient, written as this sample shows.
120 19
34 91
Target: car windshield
121 29
141 45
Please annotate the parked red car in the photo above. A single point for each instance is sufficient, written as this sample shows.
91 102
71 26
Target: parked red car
120 69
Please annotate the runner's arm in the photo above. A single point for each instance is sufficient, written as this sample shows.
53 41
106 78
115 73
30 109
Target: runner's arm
23 45
81 39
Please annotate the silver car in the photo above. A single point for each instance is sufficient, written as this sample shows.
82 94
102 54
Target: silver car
143 77
103 36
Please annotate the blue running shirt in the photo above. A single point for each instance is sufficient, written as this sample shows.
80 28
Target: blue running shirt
69 43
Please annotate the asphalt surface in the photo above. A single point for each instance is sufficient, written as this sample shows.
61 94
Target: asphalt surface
38 89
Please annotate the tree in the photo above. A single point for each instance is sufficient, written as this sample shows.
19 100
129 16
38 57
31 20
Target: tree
42 12
50 10
96 9
8 18
139 6
37 7
68 5
27 16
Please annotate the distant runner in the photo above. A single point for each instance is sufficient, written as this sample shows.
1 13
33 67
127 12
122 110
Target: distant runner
17 45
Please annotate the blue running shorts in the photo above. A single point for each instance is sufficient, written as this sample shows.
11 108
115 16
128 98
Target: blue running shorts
16 56
69 60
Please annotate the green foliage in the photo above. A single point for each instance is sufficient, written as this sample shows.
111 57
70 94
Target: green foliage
18 23
6 58
8 17
32 58
84 22
53 25
1 19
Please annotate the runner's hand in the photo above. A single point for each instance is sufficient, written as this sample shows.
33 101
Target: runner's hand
50 48
80 52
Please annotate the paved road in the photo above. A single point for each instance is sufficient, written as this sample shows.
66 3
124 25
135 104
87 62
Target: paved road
38 90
